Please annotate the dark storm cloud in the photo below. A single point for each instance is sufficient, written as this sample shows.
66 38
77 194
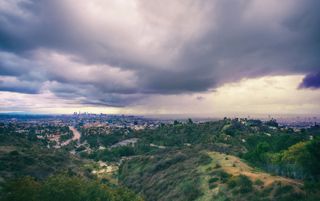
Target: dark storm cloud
14 85
168 82
311 81
12 65
19 89
112 53
94 95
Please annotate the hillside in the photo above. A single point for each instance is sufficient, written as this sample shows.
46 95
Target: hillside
255 182
31 171
199 175
226 160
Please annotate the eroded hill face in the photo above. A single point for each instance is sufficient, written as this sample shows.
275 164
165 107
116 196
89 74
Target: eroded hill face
235 166
191 174
229 175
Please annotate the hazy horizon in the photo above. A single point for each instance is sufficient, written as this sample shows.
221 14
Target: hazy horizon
301 117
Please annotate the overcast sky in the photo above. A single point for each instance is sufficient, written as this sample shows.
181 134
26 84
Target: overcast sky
219 57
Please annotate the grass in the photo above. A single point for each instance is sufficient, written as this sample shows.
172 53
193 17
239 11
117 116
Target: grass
241 167
225 170
183 174
168 175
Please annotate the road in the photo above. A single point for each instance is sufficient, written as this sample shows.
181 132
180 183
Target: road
76 136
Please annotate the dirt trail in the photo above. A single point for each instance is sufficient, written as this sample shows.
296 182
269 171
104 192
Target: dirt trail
76 136
233 165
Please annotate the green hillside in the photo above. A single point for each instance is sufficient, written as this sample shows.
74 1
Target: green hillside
230 159
191 174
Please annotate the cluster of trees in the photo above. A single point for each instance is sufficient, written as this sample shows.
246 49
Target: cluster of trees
26 170
66 133
301 160
287 156
116 153
63 187
21 157
95 138
228 131
31 131
178 134
111 155
180 174
165 175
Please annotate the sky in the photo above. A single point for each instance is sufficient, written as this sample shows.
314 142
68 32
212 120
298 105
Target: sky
187 57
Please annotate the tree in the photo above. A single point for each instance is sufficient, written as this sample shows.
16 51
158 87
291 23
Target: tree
64 187
26 188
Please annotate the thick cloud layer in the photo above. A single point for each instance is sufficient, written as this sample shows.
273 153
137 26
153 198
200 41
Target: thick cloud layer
107 52
311 81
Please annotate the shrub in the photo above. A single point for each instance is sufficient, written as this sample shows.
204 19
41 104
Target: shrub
21 189
243 183
212 185
311 186
283 190
191 190
213 180
204 159
63 187
14 153
231 183
217 166
164 164
259 182
223 176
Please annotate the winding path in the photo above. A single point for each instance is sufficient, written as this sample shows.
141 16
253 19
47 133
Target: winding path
76 136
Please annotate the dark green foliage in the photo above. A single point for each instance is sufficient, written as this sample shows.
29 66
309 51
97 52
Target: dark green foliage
242 184
114 154
213 182
204 159
287 155
167 175
213 179
212 185
272 123
217 166
301 160
222 175
258 182
312 162
63 187
66 135
164 164
311 186
312 190
283 190
96 137
35 160
178 134
21 189
190 190
245 184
